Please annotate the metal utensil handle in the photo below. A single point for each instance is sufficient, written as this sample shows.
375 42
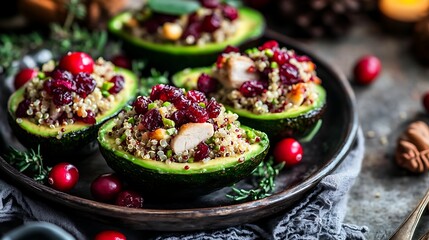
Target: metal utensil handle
407 228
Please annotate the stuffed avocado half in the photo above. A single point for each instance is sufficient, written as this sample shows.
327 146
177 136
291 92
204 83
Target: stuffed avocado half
180 144
272 89
62 112
185 39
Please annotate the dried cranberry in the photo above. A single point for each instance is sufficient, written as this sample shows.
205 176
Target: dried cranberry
230 12
210 3
129 199
90 117
193 29
119 82
76 62
196 96
59 74
280 57
269 45
193 17
289 74
152 120
230 48
213 108
21 110
303 58
211 23
122 61
156 91
182 102
197 114
179 117
206 84
219 61
85 84
61 97
140 104
62 118
201 152
252 88
151 25
24 76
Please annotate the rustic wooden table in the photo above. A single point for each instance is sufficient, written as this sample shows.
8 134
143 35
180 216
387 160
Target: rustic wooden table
384 194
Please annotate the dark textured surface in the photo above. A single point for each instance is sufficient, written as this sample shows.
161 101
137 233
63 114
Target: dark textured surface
384 194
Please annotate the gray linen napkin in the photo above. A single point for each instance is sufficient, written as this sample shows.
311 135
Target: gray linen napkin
318 216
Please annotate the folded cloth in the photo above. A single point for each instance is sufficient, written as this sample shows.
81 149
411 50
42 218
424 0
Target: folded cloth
319 215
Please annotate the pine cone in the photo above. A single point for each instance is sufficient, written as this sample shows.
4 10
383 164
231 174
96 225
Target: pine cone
316 18
420 43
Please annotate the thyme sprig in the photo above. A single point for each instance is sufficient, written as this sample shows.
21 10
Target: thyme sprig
264 182
28 162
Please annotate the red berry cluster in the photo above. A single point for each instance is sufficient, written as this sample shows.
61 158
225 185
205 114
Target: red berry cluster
191 107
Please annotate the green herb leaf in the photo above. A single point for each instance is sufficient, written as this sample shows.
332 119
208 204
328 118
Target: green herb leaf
148 82
174 7
264 176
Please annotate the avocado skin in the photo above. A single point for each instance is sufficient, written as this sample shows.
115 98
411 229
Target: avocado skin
161 183
179 58
74 143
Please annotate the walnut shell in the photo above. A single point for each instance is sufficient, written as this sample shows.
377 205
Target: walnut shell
412 151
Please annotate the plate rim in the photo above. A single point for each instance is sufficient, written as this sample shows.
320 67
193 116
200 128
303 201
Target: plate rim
277 201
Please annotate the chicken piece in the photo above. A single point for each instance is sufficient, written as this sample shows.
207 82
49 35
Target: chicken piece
235 71
190 135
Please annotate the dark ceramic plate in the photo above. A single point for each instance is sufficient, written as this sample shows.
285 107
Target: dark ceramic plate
322 154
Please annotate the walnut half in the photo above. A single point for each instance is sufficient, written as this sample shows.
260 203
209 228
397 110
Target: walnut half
412 151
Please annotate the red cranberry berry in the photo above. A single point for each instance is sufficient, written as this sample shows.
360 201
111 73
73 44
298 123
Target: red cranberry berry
193 29
201 152
367 69
206 84
110 235
152 120
85 84
24 76
63 176
280 57
213 108
61 97
197 114
21 110
269 45
179 117
76 62
193 17
121 61
288 151
210 3
252 88
90 117
156 91
59 74
129 199
289 74
181 102
211 23
303 58
140 104
230 48
106 187
119 82
230 12
196 96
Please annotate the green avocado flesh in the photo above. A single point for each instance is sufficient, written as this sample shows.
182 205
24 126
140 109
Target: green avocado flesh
181 179
76 138
175 57
296 121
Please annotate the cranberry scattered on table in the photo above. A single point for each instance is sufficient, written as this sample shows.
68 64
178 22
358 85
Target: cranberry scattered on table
106 187
367 69
129 199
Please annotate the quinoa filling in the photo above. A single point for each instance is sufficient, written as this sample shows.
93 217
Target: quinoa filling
174 126
267 79
57 98
213 22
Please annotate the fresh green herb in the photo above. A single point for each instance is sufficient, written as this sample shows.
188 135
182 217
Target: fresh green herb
169 153
128 107
264 182
151 106
166 104
28 162
123 137
148 82
131 120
